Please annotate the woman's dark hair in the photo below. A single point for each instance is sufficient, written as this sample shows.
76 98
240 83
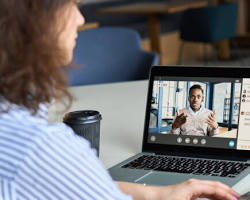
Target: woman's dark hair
30 56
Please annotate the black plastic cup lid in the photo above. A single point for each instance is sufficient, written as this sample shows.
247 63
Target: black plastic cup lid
82 117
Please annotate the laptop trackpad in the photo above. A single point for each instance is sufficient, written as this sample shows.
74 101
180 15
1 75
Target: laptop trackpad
159 178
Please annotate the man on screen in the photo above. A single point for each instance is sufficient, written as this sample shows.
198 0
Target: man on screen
195 120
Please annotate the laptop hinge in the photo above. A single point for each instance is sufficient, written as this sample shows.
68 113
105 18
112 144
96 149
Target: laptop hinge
215 157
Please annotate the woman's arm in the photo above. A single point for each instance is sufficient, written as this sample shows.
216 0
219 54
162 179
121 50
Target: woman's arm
137 191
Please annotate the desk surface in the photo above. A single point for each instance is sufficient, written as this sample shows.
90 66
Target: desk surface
123 119
123 116
153 7
122 106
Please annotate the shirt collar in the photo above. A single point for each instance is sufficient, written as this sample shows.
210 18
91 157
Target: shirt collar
195 113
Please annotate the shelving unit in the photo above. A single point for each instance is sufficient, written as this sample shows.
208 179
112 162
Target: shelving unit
226 110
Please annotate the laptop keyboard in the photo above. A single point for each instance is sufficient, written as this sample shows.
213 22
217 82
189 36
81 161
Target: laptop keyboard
188 165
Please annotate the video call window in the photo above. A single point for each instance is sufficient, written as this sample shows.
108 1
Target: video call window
220 104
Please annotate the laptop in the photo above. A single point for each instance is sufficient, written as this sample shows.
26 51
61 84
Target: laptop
217 150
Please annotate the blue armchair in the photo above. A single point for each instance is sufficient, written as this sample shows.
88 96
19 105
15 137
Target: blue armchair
104 55
209 24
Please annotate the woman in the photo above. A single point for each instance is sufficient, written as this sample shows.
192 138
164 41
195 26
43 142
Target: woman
43 161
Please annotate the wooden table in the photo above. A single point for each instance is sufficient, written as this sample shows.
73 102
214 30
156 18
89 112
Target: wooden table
228 134
88 25
153 10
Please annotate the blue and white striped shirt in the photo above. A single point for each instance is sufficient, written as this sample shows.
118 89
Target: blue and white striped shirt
48 161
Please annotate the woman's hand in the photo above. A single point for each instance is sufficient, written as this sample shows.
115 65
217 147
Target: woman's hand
193 189
188 190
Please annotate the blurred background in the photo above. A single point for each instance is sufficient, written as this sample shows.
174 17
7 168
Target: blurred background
192 32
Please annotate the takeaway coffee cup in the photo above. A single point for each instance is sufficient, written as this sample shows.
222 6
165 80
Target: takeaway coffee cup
85 123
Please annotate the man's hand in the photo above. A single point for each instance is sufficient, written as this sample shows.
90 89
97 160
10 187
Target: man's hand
179 120
211 120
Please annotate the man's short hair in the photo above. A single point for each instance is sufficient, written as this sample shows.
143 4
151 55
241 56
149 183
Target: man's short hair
196 87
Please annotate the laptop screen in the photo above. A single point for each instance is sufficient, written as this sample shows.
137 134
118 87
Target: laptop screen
211 112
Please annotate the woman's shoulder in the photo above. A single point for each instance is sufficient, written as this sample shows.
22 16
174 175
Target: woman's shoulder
29 132
60 131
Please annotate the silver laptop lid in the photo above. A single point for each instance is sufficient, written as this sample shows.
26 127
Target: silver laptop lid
198 110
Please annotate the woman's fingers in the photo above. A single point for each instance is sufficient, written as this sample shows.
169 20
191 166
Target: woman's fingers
223 186
212 190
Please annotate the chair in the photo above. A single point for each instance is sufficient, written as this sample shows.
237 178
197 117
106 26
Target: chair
208 24
108 54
